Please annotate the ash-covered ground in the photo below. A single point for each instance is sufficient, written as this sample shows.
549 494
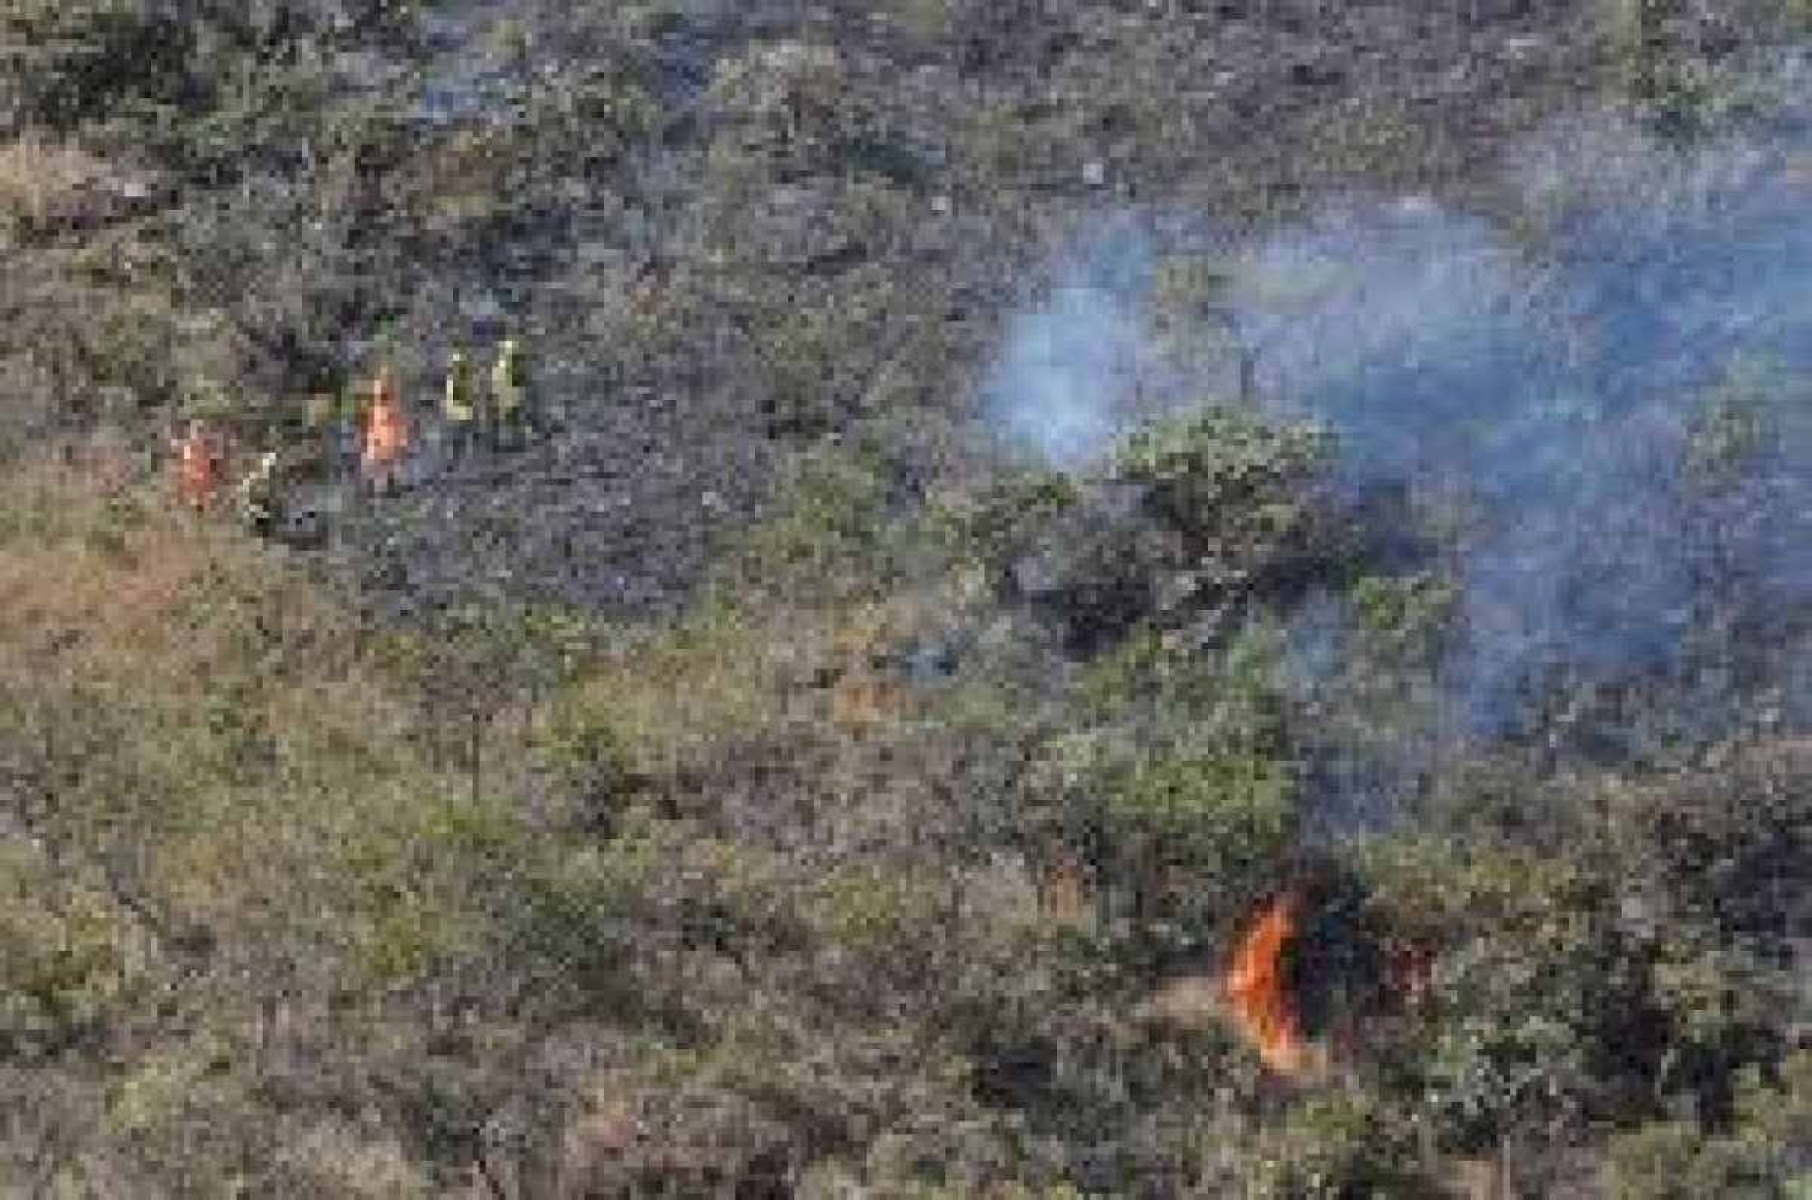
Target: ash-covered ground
676 307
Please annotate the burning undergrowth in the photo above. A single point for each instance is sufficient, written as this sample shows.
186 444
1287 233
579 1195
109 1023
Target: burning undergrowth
1575 445
1260 998
1313 975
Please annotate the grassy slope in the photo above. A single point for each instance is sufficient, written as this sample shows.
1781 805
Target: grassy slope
724 898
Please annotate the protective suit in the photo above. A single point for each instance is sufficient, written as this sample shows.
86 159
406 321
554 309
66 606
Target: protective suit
198 466
258 505
460 406
386 433
509 393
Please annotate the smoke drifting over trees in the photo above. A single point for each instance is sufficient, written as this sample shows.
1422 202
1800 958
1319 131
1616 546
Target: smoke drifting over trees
1132 599
1553 393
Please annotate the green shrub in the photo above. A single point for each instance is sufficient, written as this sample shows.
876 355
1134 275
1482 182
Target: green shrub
1540 1012
873 911
69 60
1672 1160
789 101
1225 699
1195 837
993 525
68 958
1338 1146
825 536
590 759
1224 465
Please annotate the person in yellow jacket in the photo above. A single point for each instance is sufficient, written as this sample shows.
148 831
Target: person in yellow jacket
258 502
460 406
509 395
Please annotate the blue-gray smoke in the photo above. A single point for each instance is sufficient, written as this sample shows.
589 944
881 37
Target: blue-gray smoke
1558 382
1066 383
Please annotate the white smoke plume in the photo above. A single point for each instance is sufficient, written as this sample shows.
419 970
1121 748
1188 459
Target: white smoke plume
1556 377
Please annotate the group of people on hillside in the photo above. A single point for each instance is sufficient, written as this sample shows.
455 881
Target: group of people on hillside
470 416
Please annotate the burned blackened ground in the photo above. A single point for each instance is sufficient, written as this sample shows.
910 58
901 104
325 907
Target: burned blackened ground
600 177
860 871
604 520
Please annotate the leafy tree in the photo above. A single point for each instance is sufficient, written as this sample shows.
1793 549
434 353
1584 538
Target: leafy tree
1339 1145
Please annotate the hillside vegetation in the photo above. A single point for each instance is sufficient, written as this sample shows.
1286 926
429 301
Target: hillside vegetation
767 784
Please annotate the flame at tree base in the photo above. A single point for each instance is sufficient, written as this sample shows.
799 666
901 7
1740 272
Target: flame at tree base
1373 979
1258 993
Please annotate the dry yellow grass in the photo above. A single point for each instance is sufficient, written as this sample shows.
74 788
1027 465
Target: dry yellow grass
159 629
42 181
733 673
860 705
1188 1002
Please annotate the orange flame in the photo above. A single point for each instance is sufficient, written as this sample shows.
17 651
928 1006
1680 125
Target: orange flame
1258 994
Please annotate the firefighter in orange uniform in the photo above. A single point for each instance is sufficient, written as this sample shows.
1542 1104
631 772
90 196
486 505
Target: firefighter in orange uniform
386 433
198 466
